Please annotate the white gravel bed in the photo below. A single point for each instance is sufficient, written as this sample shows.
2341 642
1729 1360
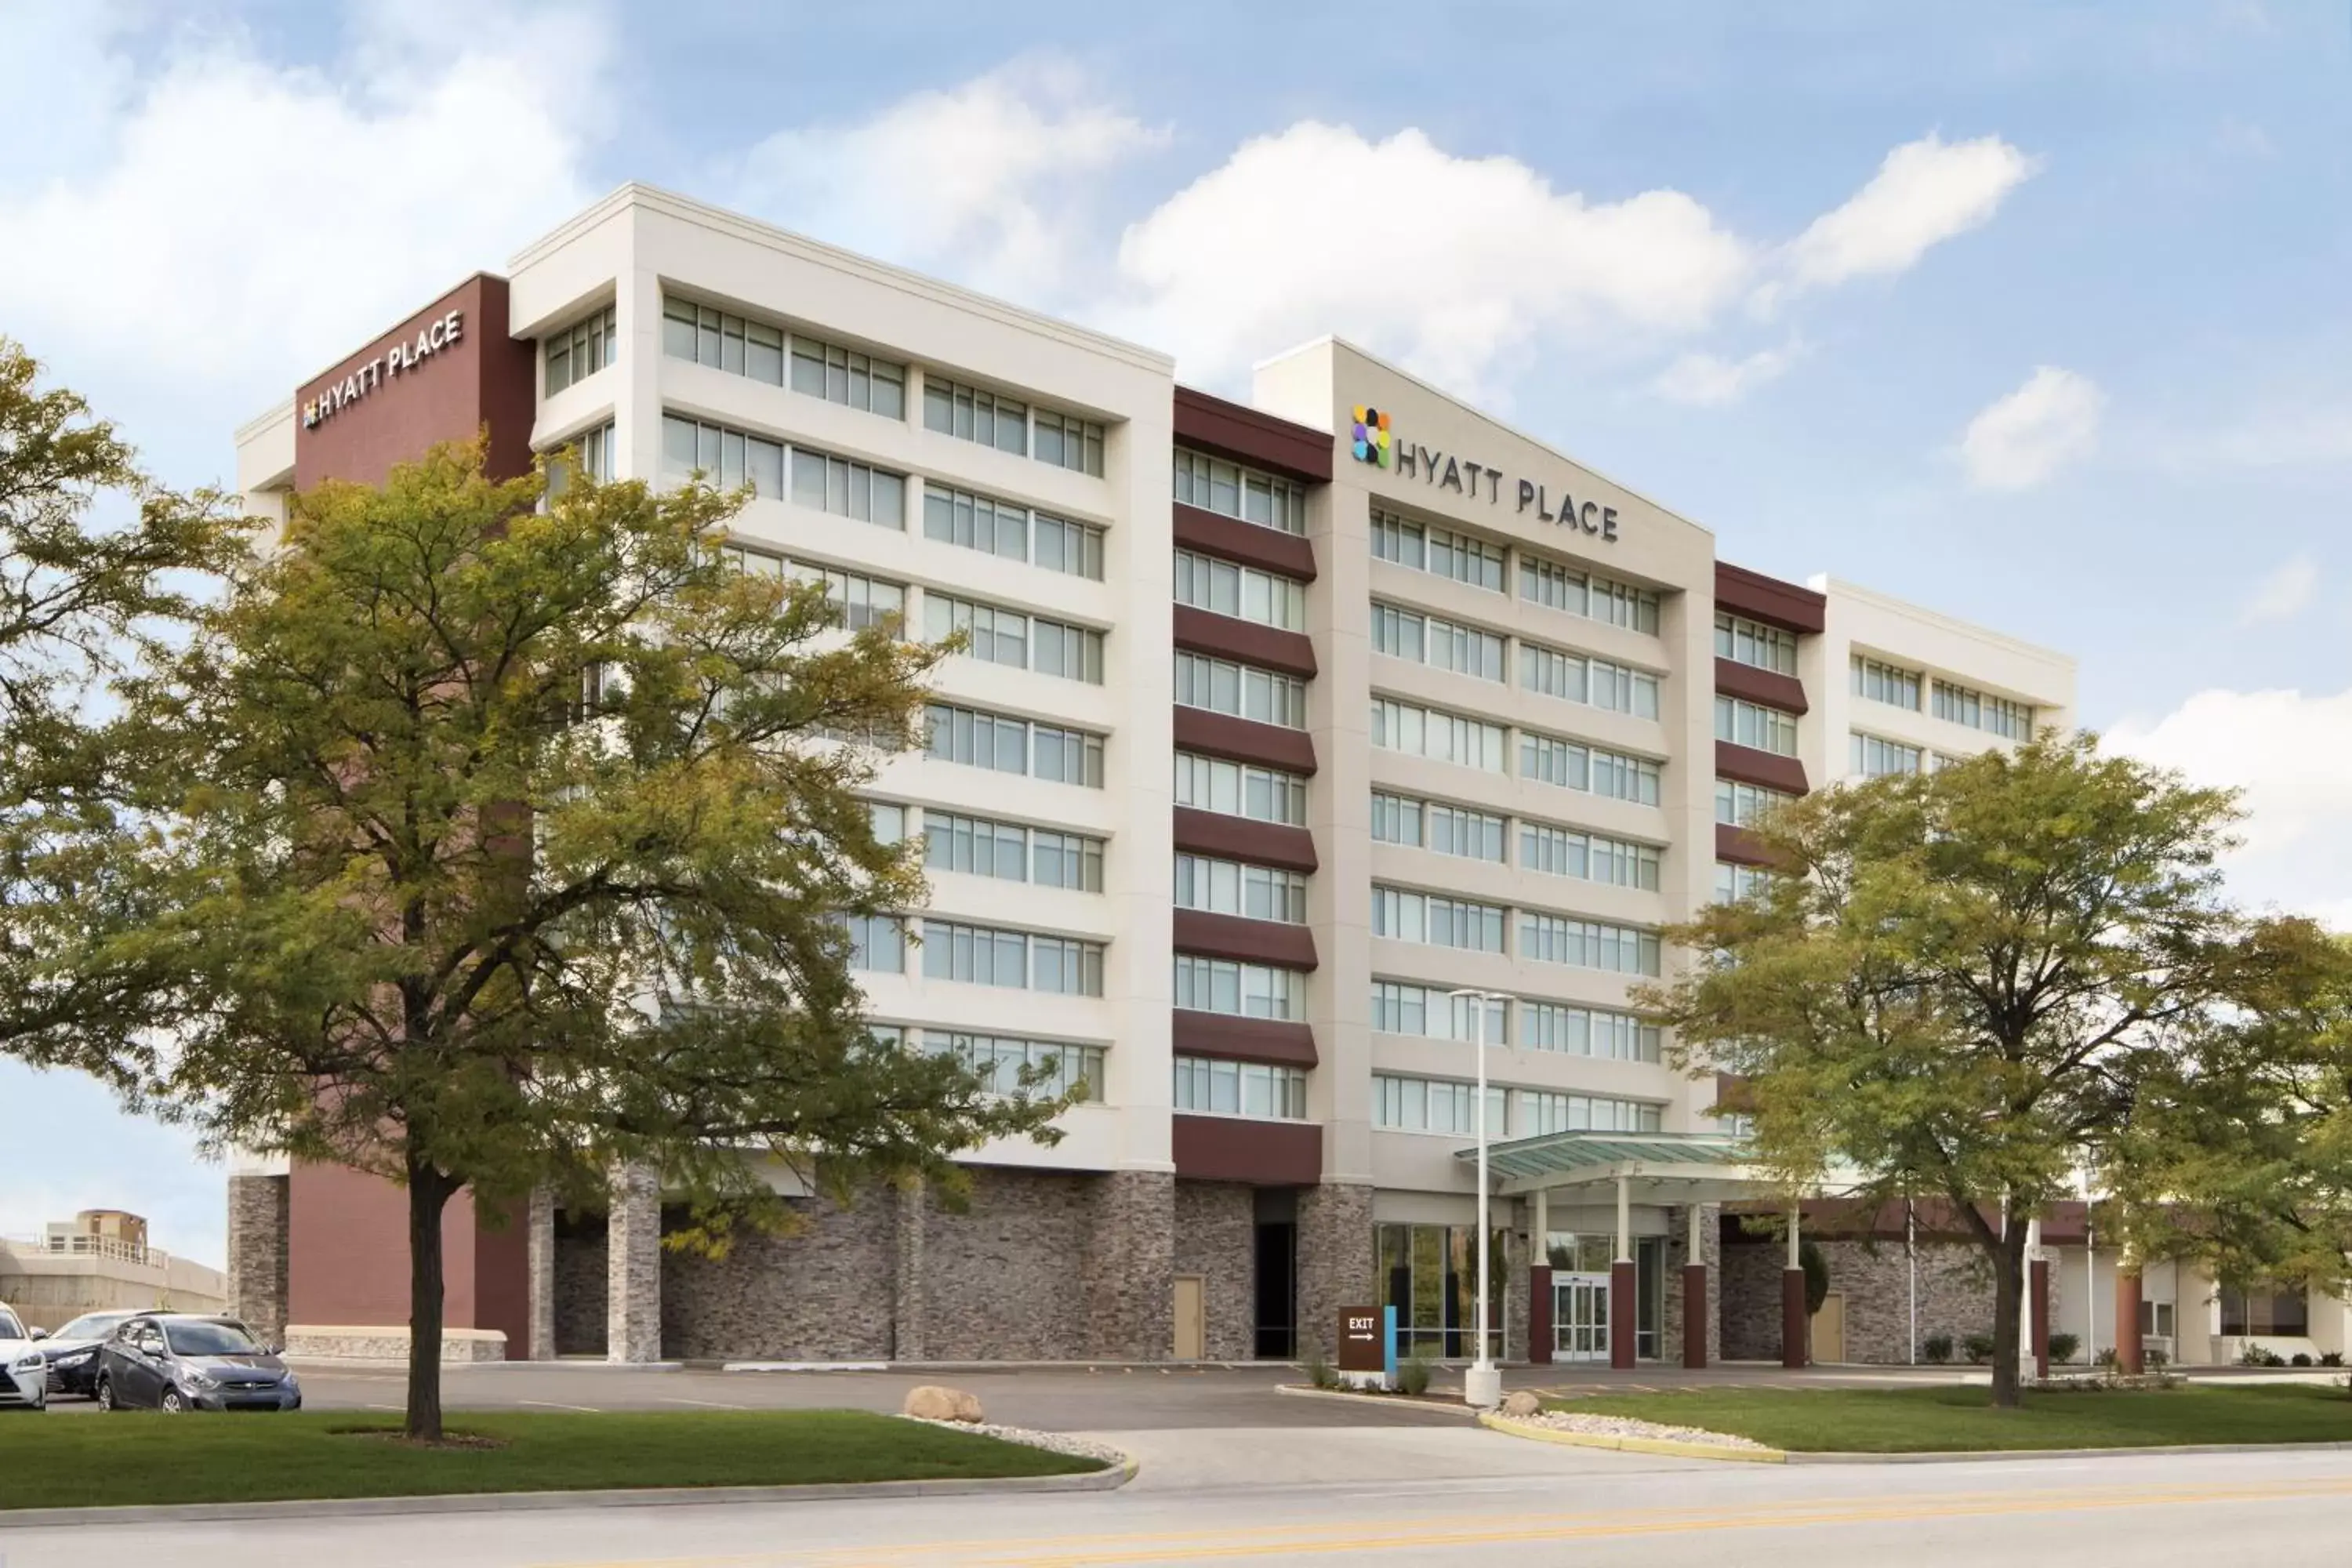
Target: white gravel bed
1056 1442
1626 1426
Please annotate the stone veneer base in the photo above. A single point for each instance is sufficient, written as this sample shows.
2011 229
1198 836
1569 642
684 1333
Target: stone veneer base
318 1341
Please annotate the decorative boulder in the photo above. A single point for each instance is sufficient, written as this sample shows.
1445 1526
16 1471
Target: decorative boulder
931 1402
1522 1403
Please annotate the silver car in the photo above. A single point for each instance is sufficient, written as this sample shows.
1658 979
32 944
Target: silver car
23 1369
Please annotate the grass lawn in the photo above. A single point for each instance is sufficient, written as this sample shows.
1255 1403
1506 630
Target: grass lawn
1915 1420
93 1460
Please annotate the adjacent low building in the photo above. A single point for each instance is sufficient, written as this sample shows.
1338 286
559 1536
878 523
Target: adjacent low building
1284 722
100 1262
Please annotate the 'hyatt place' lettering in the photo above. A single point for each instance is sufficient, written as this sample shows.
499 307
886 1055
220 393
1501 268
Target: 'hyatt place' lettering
1447 471
436 337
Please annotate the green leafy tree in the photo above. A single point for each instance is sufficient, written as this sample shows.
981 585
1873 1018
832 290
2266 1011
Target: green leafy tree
1962 981
513 843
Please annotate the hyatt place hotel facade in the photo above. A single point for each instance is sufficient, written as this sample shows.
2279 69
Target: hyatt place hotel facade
1451 712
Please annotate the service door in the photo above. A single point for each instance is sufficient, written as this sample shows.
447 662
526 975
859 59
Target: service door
1829 1330
1192 1318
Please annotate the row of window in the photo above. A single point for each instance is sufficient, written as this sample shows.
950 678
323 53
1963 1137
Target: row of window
992 419
1010 852
998 635
1241 690
1754 644
980 738
1412 635
1734 881
1244 593
1234 888
582 349
1239 990
1737 804
1230 489
1447 737
1898 687
1012 531
1433 920
1430 1013
1401 1104
980 955
1054 1067
1746 723
1206 1086
858 601
1240 789
1874 756
1876 682
1554 584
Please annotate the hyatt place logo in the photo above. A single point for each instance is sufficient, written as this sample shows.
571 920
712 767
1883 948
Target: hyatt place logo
1372 436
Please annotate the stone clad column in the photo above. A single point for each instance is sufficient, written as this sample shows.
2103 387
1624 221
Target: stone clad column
633 1267
541 1247
908 1284
1131 1266
1335 1260
258 1219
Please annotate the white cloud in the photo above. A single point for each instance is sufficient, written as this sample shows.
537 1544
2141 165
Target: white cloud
1710 381
230 222
992 181
2284 594
2017 441
2290 754
1925 193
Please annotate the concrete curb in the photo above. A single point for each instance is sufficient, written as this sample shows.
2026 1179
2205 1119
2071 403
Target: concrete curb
1107 1479
1666 1446
1980 1455
332 1365
1378 1401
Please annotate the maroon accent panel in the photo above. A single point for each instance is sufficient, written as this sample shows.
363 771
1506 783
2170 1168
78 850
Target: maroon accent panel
1770 687
1232 1040
1245 740
502 1278
1739 846
1796 1326
1245 941
1203 631
2129 1359
1243 544
347 1251
1789 605
1539 1334
1621 1316
2038 1296
1235 1149
1202 831
1693 1314
1749 766
484 379
1247 435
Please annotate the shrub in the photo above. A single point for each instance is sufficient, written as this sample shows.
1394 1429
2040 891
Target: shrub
2259 1355
1937 1348
2106 1358
1978 1348
2063 1346
2298 1359
2331 1358
1413 1375
2152 1358
1319 1370
1817 1275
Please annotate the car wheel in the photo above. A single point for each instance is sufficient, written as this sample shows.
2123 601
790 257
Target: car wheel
172 1403
105 1394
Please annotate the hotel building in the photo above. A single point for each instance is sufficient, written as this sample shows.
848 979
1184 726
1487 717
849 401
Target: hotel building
1282 723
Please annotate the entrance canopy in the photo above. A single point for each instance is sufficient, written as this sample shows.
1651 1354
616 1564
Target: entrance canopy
1655 1167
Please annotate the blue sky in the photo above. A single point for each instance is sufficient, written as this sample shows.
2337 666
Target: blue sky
2037 313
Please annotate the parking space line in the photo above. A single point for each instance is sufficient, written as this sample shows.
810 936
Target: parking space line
548 1405
705 1404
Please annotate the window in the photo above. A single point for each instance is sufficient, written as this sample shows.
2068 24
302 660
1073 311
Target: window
1871 757
979 738
1587 1031
1243 592
1737 804
1587 944
1434 824
858 601
588 346
1074 549
1240 789
969 414
1068 861
1746 723
1231 887
1734 881
1558 586
596 459
986 955
758 350
2266 1310
1207 1087
1243 690
1591 857
1069 442
1622 689
1000 635
1440 551
822 483
1425 639
1241 990
1434 1105
1886 683
1232 491
1572 764
2155 1318
877 943
976 846
1006 1061
1434 1013
1541 1112
1573 677
1434 921
1002 528
889 821
1981 710
1440 736
1743 641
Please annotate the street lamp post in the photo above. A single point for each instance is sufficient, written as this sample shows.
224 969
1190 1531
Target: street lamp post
1482 1386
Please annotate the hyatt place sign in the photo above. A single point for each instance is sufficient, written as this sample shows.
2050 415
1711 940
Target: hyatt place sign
435 338
1373 443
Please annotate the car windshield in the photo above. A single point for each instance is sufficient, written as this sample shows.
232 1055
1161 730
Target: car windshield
209 1339
10 1329
91 1326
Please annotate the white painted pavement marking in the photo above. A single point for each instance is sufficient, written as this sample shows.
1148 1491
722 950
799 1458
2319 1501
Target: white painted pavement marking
705 1404
549 1405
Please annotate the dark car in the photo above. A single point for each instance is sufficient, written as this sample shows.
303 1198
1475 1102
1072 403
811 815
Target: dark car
72 1351
173 1362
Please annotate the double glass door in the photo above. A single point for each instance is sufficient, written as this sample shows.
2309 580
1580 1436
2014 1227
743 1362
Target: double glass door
1580 1317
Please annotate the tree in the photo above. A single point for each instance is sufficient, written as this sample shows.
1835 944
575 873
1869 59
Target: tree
80 600
1962 982
513 844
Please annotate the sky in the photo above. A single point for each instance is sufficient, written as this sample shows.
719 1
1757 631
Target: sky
2038 313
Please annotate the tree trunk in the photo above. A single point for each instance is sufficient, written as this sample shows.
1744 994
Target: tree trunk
2008 1313
429 1195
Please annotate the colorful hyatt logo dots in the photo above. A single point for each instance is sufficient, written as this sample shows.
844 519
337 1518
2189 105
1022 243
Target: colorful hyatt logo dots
1371 435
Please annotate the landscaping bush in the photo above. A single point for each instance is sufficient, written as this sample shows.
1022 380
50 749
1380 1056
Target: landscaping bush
2063 1346
1413 1375
1937 1348
2106 1358
2298 1359
1978 1348
1817 1276
2152 1358
1319 1370
2331 1358
2259 1355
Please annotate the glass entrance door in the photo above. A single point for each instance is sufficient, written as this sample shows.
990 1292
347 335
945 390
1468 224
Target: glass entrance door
1580 1317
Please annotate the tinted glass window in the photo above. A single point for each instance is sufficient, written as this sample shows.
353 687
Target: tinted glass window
93 1326
210 1339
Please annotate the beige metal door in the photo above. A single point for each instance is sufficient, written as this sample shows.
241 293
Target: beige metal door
1192 1318
1829 1328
